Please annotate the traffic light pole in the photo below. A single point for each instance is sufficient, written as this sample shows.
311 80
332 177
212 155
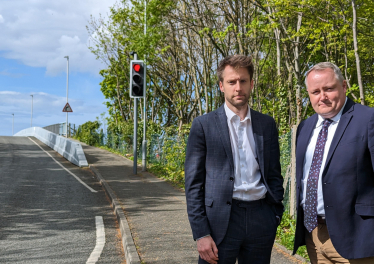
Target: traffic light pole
135 166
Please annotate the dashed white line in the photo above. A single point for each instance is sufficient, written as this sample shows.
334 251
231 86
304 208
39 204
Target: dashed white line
76 177
100 241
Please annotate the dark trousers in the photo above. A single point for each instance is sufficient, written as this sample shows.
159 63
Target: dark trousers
250 234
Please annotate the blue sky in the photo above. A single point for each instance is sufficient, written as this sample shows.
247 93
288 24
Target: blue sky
36 35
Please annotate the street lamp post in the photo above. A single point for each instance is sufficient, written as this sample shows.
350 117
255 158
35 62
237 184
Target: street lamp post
144 158
13 125
32 103
67 93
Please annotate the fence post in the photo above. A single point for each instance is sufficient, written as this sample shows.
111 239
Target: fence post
293 199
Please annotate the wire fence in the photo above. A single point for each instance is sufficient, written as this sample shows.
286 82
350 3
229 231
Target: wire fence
159 148
170 152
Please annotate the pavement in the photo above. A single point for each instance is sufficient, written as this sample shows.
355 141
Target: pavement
152 213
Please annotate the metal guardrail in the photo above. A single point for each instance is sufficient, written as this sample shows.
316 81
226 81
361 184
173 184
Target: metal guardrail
60 129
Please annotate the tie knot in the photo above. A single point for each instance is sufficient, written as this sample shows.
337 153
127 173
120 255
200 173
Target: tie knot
327 122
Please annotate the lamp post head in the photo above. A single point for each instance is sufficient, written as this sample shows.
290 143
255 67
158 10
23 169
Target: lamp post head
67 57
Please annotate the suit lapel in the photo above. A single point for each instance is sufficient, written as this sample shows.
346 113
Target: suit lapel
222 127
343 123
259 139
302 144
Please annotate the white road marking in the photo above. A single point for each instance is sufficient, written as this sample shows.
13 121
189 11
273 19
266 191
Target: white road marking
76 177
100 241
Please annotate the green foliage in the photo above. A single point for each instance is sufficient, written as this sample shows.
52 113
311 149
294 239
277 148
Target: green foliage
168 160
285 151
88 133
172 165
286 234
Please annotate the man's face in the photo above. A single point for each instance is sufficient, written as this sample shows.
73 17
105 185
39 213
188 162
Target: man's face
237 86
326 94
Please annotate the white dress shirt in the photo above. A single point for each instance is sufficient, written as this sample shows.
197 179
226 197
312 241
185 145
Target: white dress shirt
247 184
309 156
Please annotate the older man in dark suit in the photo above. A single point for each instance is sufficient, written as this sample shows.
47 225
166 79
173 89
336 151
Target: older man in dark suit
232 173
334 172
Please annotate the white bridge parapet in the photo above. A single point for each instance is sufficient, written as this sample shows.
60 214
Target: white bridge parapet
70 150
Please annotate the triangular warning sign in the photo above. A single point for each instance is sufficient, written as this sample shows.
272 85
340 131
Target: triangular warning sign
67 108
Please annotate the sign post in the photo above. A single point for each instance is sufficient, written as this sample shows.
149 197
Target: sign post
67 93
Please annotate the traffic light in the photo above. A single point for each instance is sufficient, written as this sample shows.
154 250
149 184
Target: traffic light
137 79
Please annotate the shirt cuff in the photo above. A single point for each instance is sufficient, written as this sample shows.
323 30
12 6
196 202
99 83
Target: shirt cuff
202 237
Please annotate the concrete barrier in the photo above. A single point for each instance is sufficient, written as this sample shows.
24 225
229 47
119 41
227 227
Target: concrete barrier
70 150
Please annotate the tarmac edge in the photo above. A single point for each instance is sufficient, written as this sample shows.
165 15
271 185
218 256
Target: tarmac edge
131 255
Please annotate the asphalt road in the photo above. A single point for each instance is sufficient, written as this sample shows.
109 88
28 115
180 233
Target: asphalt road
46 214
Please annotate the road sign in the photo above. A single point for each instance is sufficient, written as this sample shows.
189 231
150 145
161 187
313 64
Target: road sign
67 108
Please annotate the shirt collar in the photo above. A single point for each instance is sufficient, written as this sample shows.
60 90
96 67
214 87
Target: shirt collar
334 119
230 114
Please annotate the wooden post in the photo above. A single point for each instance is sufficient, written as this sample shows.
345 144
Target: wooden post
293 199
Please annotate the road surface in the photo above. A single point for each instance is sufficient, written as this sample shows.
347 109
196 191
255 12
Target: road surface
51 210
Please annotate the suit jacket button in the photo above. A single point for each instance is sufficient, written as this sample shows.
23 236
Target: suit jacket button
228 203
231 178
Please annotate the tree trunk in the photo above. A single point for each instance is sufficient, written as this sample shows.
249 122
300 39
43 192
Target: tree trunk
297 73
277 39
354 28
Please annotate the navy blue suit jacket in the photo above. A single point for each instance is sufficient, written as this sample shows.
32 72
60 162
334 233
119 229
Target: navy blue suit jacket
347 182
209 171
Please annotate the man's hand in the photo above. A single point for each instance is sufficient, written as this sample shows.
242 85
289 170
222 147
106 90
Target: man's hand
207 249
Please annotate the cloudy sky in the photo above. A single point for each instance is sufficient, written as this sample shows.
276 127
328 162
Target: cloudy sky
36 35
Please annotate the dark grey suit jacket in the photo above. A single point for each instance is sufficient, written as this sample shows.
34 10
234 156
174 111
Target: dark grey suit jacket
209 171
347 182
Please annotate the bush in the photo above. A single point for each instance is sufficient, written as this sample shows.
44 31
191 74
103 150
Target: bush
88 133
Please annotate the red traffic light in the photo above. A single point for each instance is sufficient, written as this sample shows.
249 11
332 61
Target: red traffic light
137 67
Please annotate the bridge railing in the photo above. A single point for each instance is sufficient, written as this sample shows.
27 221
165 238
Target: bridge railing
60 129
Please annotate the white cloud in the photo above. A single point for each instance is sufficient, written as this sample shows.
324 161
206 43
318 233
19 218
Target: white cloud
40 33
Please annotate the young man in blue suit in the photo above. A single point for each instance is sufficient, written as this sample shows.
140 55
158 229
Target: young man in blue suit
232 174
334 173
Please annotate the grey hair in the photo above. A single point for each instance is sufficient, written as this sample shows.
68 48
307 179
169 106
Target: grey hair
326 65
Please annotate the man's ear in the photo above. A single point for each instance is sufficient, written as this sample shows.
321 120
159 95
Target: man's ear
221 87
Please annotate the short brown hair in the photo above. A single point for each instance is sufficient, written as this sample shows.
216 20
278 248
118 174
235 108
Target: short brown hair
235 61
